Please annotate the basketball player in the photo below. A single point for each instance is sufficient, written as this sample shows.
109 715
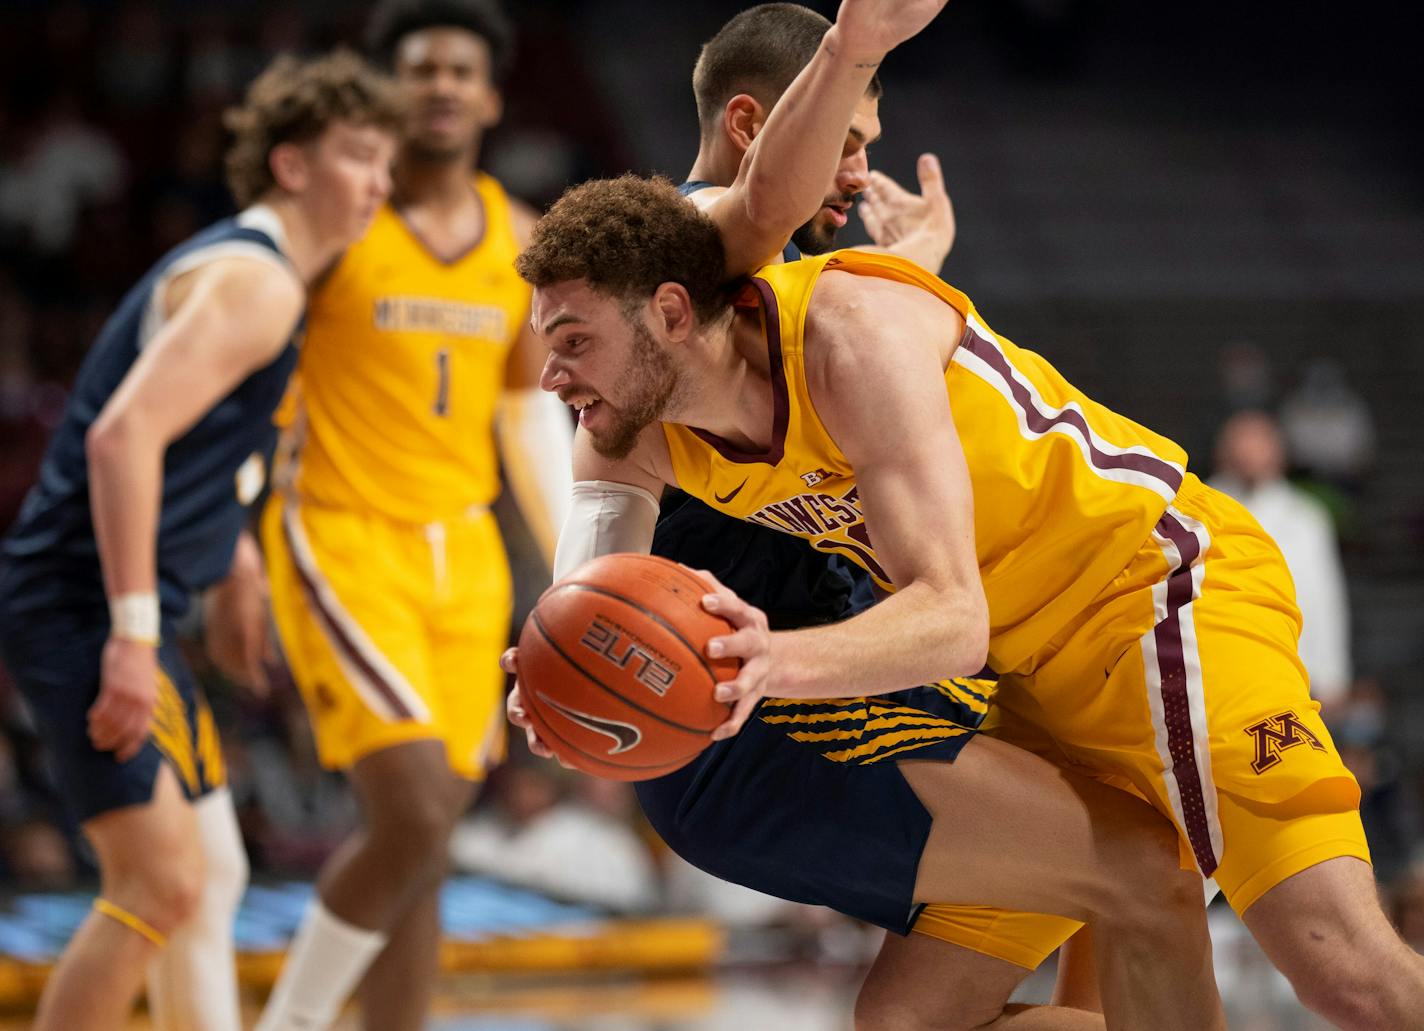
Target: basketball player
140 499
389 584
1143 625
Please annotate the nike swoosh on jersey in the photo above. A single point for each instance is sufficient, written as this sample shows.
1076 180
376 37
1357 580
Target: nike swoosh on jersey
624 735
737 490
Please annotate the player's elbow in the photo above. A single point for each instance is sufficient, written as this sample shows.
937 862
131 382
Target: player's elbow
105 437
113 435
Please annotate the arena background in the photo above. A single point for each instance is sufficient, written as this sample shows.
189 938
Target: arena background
1190 209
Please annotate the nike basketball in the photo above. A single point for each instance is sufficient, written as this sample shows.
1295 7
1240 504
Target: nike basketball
613 667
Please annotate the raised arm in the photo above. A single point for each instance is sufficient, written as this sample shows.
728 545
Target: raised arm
782 179
235 316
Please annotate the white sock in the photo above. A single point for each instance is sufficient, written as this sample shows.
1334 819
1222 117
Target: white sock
324 962
192 984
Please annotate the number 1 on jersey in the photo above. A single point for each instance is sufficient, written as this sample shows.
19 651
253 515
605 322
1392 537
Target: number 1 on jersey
442 391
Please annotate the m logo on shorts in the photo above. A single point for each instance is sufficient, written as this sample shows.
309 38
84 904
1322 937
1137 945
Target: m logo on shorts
1274 735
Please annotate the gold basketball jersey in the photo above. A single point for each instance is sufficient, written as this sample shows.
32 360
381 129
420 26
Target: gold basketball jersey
1065 490
403 362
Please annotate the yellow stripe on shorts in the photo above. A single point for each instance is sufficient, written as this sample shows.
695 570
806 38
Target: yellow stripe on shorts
172 734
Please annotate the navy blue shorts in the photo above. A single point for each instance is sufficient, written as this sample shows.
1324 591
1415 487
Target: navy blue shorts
793 583
808 804
53 654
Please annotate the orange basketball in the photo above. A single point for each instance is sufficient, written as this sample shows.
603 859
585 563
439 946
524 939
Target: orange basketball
614 671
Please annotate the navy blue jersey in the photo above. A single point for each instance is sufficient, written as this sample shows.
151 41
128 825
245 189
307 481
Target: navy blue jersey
210 474
788 253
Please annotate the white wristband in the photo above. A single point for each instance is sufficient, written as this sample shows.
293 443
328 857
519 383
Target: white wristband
134 617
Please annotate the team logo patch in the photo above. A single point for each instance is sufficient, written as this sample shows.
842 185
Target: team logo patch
1276 734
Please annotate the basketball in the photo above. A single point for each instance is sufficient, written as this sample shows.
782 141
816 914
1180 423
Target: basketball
614 671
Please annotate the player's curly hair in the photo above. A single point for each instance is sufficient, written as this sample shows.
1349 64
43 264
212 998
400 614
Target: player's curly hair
294 101
758 52
625 237
393 20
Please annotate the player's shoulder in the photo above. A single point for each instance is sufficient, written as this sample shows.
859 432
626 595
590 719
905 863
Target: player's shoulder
520 214
859 328
847 309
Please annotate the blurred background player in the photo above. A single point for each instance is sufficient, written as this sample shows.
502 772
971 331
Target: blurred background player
390 585
142 495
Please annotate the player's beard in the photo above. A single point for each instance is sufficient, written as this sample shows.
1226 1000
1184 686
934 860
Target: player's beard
815 237
649 383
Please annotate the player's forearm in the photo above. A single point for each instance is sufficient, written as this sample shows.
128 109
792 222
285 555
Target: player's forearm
916 636
125 491
782 181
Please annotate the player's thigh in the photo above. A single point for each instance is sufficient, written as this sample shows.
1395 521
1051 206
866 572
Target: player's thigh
920 982
349 597
1325 923
472 629
1012 830
154 849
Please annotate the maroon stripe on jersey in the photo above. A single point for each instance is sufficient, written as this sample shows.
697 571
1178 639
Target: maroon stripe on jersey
1147 465
780 399
335 632
1176 709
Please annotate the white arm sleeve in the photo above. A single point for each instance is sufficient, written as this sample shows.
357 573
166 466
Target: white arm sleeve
536 442
604 517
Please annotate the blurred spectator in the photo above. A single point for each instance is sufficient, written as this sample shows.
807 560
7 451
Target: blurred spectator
68 165
1250 464
1328 427
1247 379
1387 807
576 843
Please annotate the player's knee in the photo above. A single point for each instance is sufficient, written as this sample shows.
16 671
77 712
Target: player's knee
165 892
413 827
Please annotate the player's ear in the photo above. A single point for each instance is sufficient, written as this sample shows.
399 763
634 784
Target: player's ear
673 306
491 108
742 119
289 165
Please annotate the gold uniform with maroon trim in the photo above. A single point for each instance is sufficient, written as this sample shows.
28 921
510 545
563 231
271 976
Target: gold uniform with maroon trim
1143 626
390 586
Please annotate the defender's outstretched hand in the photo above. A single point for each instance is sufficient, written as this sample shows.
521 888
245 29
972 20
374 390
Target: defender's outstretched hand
870 28
921 228
750 641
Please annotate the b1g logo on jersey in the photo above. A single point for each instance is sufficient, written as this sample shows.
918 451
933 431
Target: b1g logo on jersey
1276 734
815 476
613 644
